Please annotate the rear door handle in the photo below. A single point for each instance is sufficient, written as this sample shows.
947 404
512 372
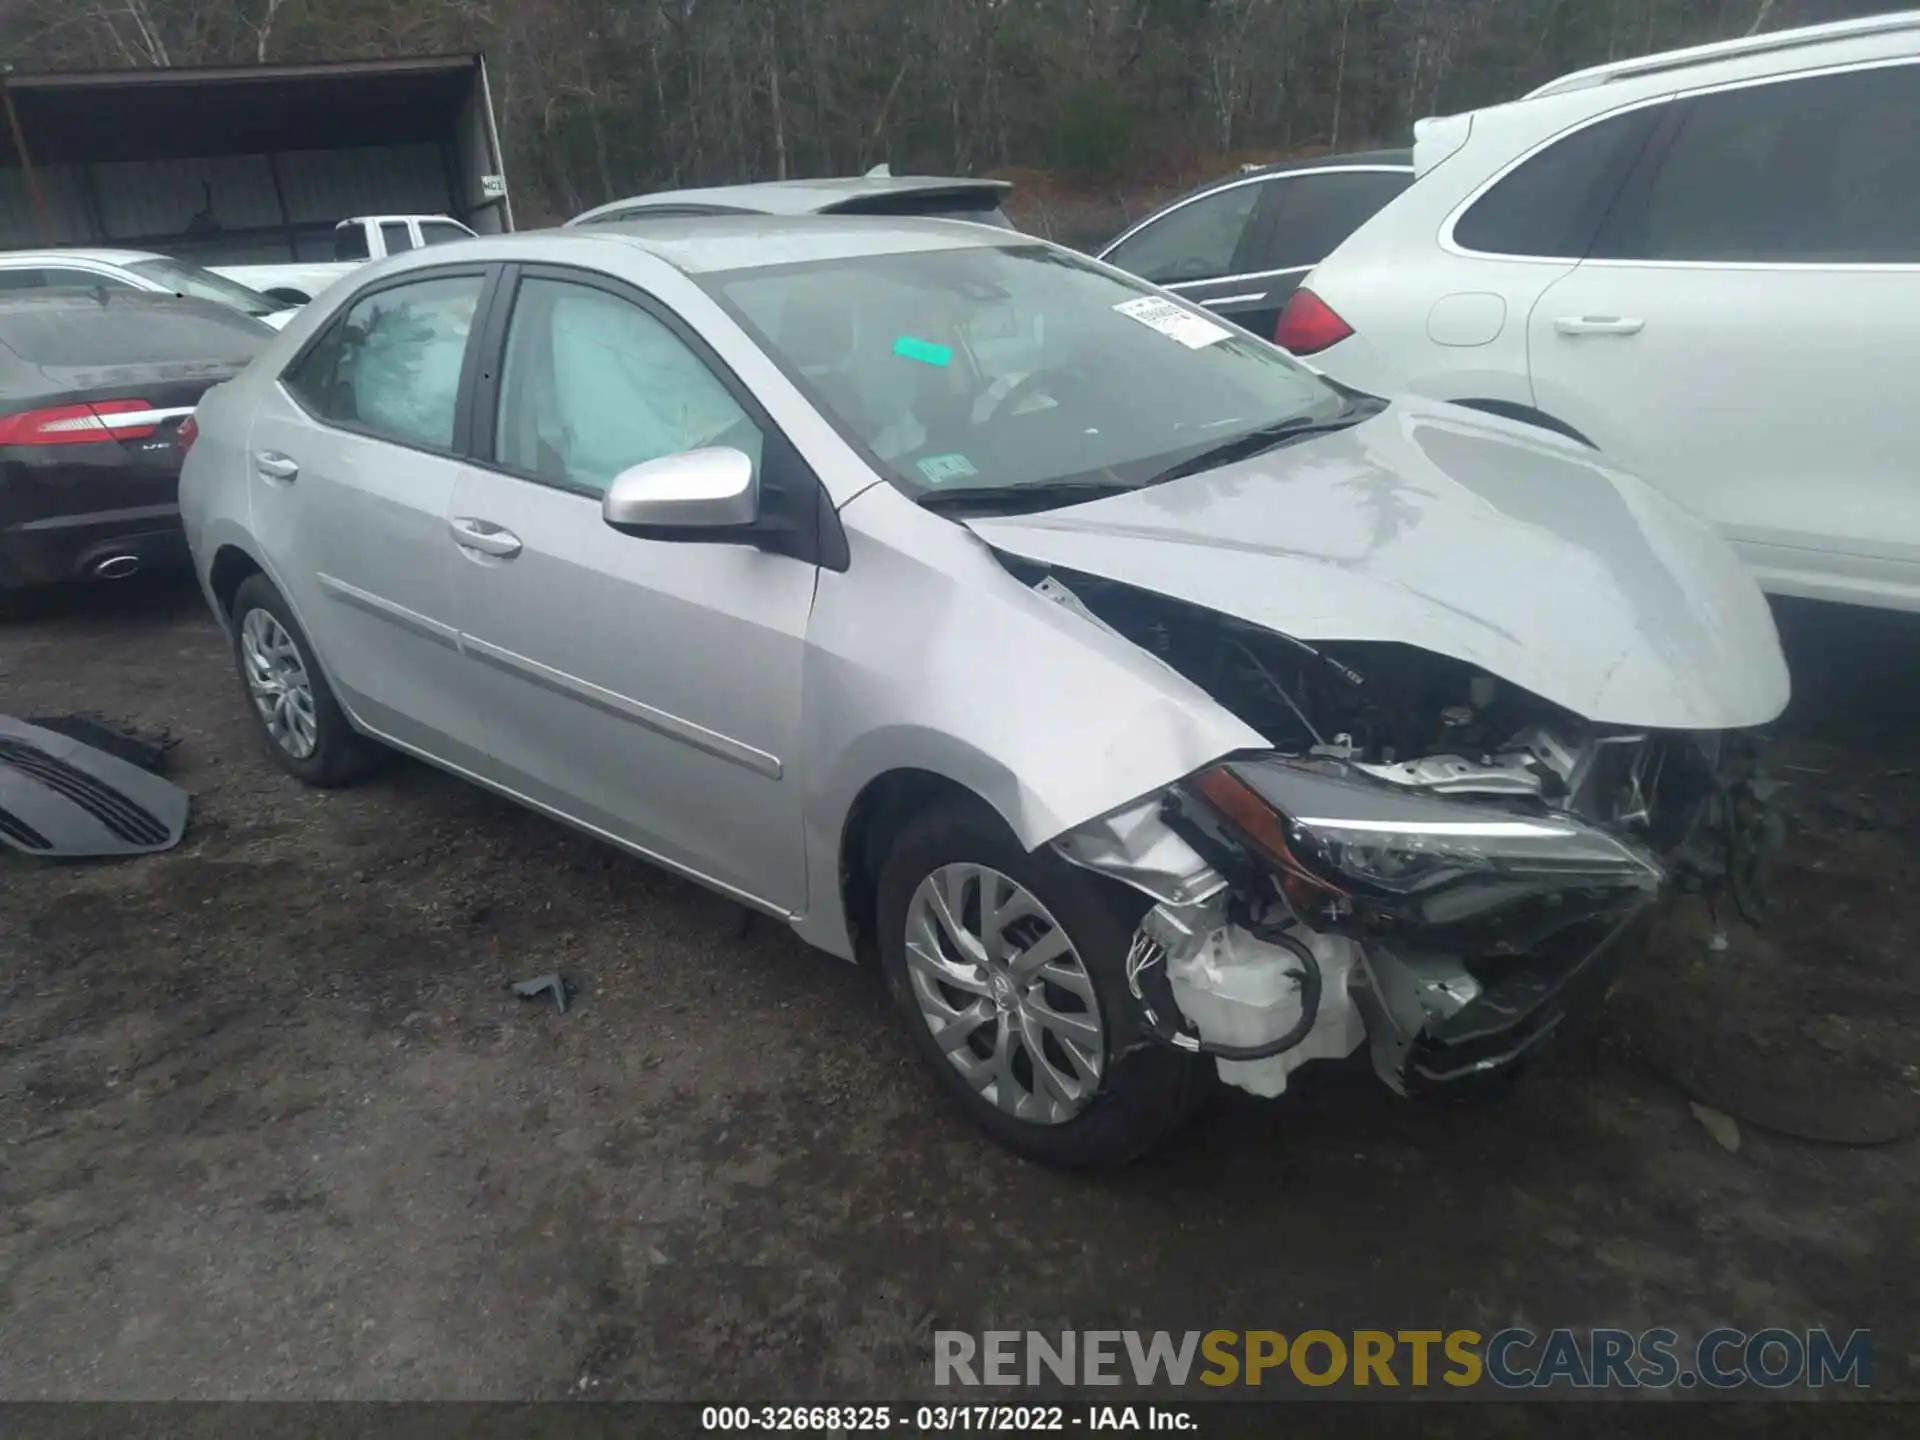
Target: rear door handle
276 466
485 537
1598 325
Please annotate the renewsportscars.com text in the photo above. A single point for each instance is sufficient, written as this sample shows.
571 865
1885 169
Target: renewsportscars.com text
1512 1359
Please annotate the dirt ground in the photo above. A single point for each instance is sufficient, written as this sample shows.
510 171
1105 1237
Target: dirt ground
271 1127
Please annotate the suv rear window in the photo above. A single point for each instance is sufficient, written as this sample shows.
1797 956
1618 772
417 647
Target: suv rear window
1552 205
84 335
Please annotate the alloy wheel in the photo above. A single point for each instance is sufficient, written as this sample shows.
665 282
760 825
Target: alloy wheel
278 682
1004 993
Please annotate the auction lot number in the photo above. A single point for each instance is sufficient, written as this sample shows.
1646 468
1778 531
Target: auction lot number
1016 1419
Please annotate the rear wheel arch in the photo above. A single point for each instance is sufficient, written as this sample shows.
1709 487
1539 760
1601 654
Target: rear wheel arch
230 570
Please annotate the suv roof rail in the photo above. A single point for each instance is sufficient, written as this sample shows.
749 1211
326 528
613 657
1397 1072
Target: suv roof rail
1729 49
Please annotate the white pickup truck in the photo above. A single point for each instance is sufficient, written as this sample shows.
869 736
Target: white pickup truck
355 242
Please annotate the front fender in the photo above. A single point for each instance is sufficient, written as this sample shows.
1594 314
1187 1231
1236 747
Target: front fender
927 655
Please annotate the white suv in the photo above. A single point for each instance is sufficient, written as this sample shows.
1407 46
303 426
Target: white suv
1705 264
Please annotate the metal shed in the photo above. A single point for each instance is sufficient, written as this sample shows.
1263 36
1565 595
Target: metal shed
239 164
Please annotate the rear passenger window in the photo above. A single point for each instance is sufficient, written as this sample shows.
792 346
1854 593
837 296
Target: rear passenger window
1313 213
1552 205
1825 169
391 364
1195 242
395 237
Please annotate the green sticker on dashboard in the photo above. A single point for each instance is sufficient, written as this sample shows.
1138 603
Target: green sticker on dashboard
925 351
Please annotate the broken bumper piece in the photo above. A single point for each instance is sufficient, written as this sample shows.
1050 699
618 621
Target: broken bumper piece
1432 1021
1305 909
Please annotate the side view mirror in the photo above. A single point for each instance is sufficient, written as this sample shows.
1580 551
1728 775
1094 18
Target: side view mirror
697 490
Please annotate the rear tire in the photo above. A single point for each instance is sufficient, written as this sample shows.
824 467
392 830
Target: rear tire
306 732
1051 1106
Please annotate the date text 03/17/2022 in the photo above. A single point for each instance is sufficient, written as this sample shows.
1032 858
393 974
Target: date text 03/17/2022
948 1419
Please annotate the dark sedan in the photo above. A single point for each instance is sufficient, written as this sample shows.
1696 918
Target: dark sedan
97 393
1241 246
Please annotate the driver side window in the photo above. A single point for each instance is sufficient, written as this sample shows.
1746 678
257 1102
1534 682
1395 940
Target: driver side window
594 385
1195 242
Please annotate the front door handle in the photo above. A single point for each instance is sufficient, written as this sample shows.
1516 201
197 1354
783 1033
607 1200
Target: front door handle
485 537
1598 325
276 466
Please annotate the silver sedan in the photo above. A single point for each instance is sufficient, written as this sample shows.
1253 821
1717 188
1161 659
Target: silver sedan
1152 710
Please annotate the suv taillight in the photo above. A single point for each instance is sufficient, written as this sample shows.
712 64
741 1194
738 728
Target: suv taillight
79 424
1309 325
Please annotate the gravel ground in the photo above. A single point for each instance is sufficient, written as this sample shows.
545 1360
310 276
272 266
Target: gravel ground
274 1129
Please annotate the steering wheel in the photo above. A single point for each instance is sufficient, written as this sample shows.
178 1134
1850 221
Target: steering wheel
1034 382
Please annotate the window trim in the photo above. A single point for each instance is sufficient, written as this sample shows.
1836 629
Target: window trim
463 411
1680 98
1254 222
827 547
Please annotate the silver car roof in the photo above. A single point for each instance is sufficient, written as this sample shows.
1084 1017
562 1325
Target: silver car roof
702 244
96 256
800 197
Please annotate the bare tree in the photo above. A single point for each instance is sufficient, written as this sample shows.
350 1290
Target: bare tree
601 97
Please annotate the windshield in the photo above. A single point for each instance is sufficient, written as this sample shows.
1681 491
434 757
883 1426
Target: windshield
185 279
1020 367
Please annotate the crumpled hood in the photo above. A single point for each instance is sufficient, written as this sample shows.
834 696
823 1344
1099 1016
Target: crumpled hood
1465 535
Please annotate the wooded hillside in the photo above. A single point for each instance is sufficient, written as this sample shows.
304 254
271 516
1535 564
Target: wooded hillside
599 98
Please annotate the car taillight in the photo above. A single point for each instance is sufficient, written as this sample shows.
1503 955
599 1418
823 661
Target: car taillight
1309 325
186 434
79 424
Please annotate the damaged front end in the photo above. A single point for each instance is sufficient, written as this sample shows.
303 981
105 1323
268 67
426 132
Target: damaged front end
1429 861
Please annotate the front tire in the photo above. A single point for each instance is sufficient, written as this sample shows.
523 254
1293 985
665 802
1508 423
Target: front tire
306 732
1009 969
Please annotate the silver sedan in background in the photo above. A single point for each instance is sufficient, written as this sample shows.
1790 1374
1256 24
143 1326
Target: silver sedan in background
1151 709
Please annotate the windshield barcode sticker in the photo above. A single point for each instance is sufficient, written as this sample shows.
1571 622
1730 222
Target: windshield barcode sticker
941 468
1196 332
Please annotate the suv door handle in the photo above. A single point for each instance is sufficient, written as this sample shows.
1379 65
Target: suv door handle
1598 325
485 537
276 466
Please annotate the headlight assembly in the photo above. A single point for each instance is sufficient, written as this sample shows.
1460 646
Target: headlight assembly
1346 844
